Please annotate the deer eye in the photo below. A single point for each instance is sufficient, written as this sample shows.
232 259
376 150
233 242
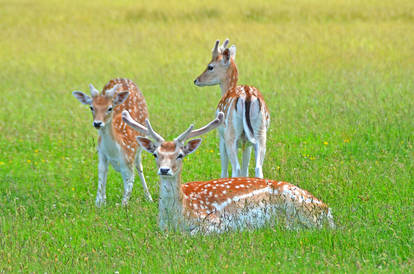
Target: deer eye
180 156
210 67
110 109
155 155
91 107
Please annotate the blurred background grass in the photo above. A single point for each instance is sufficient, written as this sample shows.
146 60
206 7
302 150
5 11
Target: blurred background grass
337 77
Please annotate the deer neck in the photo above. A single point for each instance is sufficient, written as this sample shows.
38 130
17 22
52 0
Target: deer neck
106 133
230 80
171 203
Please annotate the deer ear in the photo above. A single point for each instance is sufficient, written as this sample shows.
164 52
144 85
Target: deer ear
233 52
192 146
120 97
146 144
82 97
226 56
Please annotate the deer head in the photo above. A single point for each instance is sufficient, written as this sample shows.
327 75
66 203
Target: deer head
102 105
169 155
216 71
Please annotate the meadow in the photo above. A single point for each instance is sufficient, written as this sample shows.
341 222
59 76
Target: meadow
338 78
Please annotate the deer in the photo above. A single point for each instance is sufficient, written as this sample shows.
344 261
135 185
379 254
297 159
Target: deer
246 115
117 142
225 204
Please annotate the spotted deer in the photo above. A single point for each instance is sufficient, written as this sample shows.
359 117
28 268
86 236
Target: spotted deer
246 115
225 204
117 142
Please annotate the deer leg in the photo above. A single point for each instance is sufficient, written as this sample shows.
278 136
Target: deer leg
128 178
260 151
138 165
247 151
102 175
259 128
235 166
232 136
224 159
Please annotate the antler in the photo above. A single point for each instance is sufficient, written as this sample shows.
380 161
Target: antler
210 126
152 133
148 131
94 91
185 135
189 133
126 117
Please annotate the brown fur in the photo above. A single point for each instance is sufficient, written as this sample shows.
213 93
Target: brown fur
168 146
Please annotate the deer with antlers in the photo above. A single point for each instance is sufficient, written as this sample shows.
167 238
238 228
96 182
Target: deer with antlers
225 204
246 115
117 142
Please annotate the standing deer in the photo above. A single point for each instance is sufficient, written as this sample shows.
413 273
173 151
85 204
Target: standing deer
117 142
225 204
246 115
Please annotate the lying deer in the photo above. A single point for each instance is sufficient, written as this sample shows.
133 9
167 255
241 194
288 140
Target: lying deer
117 143
246 115
222 204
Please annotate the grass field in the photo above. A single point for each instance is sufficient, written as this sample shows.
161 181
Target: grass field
338 78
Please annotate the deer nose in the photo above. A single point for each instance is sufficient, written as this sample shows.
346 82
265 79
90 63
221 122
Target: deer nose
164 171
97 124
195 82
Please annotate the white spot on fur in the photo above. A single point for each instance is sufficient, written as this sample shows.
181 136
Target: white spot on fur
223 205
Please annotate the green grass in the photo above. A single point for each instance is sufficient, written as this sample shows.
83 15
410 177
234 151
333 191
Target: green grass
338 80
